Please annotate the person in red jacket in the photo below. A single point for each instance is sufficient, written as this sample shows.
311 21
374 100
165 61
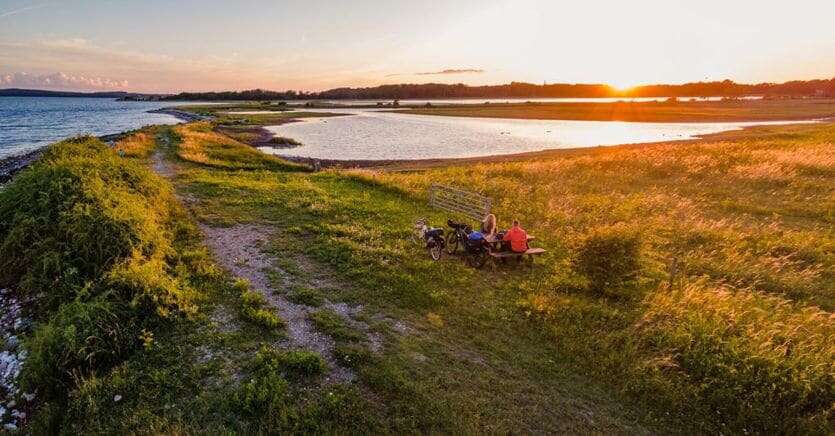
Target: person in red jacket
518 238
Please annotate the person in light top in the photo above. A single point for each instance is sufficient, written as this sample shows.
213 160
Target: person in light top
488 227
518 238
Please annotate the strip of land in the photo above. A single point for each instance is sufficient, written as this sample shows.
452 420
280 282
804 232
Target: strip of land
660 112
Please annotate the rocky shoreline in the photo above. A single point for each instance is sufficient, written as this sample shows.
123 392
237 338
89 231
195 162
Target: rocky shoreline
12 165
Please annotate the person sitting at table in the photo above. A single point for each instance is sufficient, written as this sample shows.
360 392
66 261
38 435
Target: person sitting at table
518 238
488 227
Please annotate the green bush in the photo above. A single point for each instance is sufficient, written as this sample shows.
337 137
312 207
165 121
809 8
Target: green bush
252 307
74 215
252 299
149 288
352 355
263 396
87 236
330 322
81 338
609 258
262 317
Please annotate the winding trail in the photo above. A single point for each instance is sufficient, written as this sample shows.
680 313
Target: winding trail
238 249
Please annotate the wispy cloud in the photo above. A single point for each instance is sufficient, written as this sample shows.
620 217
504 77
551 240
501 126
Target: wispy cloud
452 71
448 71
23 9
60 81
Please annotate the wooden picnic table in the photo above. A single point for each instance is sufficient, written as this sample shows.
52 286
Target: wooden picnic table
502 255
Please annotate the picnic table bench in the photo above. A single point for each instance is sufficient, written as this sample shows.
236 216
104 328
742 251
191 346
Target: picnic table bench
503 255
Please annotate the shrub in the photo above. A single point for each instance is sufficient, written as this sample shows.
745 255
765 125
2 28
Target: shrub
762 363
263 317
609 258
301 363
149 288
87 236
80 339
263 396
252 307
73 216
252 299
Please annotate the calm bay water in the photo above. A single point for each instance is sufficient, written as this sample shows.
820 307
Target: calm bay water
376 135
28 123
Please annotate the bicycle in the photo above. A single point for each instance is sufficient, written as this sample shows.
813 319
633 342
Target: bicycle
477 252
458 235
433 238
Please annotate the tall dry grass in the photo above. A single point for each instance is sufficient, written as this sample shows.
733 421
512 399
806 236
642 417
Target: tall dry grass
763 363
138 144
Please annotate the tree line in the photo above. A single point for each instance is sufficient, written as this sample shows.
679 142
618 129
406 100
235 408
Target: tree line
726 88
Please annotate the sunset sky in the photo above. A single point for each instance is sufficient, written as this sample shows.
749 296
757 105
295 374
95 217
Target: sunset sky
166 46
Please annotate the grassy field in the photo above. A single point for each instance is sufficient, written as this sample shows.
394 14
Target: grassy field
683 111
746 223
714 316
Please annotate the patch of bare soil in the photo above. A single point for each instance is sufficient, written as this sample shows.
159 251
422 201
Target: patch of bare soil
238 249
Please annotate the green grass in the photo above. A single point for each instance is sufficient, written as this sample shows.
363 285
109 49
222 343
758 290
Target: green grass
751 213
330 322
683 111
254 308
91 239
726 252
307 296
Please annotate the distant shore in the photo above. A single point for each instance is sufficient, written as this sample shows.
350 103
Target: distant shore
179 114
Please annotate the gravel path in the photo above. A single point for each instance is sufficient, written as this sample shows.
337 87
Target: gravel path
237 248
159 163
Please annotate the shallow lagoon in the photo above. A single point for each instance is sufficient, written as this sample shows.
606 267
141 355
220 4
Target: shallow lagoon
376 135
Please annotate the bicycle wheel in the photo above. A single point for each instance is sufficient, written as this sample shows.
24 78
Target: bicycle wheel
477 260
435 250
451 242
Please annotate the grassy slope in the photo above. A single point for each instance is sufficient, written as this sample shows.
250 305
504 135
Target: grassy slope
646 112
512 347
